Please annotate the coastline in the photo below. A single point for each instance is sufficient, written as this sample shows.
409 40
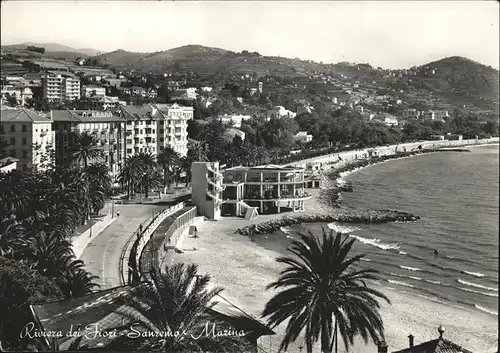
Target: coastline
249 267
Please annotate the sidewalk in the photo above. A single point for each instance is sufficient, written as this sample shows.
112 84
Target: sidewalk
102 254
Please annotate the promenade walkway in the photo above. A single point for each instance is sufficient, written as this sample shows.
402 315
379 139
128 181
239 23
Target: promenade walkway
102 255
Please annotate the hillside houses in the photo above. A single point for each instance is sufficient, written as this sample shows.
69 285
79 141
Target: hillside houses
280 112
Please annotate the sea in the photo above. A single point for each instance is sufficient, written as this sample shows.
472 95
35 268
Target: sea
456 194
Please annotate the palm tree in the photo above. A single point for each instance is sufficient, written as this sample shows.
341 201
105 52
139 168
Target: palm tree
185 166
167 159
150 177
176 300
85 149
100 184
130 174
73 280
321 286
10 235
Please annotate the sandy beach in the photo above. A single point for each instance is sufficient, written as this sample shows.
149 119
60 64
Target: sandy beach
244 268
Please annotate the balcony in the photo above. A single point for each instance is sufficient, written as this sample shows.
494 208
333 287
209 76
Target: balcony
273 196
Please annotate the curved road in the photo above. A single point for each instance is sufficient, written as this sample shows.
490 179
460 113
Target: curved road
102 254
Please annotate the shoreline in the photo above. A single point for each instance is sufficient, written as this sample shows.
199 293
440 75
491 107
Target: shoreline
248 267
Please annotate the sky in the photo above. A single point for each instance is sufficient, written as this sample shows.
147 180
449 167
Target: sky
390 34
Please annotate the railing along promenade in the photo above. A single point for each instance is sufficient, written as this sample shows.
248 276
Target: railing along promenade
130 255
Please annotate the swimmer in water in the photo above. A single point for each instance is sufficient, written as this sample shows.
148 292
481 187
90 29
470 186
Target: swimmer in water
436 252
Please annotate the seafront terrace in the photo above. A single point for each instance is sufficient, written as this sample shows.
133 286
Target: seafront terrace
265 187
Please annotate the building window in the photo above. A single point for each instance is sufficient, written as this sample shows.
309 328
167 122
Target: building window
24 128
25 141
12 128
25 154
162 131
1 129
12 141
129 150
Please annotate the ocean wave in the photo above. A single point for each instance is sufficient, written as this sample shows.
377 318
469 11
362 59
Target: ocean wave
477 285
402 253
337 228
486 310
365 259
400 283
475 274
415 278
478 292
409 268
436 282
376 242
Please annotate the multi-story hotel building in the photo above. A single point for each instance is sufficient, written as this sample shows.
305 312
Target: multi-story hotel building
60 85
152 127
108 129
269 189
27 136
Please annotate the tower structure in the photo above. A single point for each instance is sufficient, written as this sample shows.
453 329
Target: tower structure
207 189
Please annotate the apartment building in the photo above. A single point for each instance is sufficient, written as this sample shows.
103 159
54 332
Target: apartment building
27 136
152 127
93 91
435 115
60 85
108 128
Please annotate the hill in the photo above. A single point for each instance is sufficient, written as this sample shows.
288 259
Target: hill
55 48
206 62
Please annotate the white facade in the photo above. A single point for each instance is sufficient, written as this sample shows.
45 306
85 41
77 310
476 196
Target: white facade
302 136
234 119
93 91
280 112
60 86
152 127
28 135
207 189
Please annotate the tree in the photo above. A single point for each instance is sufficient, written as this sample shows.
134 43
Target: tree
85 149
11 99
150 177
320 286
129 174
177 300
167 159
20 286
98 176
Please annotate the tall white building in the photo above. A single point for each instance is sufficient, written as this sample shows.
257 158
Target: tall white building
106 127
27 136
152 127
207 188
60 86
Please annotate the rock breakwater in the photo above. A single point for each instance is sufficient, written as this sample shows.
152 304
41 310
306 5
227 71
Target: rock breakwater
345 215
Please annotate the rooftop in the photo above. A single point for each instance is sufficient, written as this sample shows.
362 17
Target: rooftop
84 116
100 308
267 167
439 345
21 115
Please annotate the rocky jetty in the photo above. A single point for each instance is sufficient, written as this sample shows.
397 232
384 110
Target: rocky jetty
340 215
